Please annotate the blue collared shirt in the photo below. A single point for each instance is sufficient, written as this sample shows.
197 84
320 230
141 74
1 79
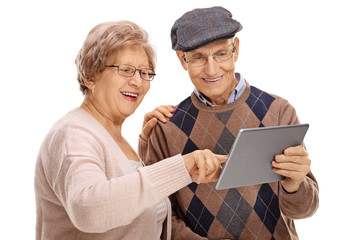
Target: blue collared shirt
239 89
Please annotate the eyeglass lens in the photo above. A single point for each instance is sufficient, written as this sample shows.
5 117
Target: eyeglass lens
200 59
128 71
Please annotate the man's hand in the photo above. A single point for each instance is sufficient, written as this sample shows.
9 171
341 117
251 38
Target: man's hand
151 118
203 165
294 165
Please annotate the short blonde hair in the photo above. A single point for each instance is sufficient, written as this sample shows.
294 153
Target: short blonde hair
103 41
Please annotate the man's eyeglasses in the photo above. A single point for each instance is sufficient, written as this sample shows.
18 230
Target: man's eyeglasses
127 70
198 59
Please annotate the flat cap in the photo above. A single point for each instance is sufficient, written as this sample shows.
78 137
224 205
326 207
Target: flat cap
203 26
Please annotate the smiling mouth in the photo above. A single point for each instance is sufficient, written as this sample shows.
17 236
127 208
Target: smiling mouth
130 94
212 79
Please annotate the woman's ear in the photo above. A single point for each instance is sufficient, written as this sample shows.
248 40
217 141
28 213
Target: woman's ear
181 57
89 83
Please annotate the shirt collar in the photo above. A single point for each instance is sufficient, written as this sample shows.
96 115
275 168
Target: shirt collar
239 89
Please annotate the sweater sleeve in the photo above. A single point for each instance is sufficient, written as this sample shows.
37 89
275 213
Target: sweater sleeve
305 201
95 203
302 203
142 148
287 114
157 150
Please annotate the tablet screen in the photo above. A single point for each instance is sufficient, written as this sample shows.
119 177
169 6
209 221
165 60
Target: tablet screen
252 152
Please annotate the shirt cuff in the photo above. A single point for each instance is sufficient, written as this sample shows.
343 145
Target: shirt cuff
284 191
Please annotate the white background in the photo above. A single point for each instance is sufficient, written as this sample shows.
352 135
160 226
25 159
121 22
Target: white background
305 51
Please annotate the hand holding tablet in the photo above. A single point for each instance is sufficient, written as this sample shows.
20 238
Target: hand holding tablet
253 151
294 164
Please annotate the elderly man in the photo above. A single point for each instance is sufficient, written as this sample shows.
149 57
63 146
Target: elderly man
222 103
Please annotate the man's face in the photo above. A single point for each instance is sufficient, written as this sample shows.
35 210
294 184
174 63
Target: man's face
215 80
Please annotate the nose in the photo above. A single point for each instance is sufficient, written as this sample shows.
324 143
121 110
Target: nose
136 81
211 67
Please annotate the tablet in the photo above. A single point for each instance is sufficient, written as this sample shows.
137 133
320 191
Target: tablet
250 157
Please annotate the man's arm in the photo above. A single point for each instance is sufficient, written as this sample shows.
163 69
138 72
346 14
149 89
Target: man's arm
304 202
299 196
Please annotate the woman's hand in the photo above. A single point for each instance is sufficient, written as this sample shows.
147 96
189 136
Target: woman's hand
203 165
294 165
151 118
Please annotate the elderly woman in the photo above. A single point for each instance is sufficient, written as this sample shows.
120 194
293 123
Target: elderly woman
89 182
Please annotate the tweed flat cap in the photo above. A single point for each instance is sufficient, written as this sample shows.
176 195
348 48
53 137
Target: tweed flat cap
203 26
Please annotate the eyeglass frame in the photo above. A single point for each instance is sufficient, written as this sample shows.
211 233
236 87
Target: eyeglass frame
133 73
207 57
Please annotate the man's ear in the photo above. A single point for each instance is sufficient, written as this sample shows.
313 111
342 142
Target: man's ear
236 47
181 57
89 83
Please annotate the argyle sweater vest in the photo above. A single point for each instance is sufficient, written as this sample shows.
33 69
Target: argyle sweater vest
251 212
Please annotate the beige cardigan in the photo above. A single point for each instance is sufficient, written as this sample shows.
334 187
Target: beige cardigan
87 189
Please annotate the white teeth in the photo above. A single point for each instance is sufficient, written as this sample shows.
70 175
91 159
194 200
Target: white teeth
129 94
213 80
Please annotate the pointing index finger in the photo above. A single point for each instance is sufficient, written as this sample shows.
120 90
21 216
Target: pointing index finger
221 158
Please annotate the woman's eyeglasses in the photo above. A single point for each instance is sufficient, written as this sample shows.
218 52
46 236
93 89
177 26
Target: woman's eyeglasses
127 70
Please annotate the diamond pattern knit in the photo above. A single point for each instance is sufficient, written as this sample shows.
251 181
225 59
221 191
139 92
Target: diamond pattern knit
250 212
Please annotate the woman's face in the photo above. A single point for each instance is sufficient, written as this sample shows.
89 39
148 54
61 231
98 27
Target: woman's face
116 96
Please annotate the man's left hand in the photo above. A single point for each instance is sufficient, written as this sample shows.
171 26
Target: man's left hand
294 165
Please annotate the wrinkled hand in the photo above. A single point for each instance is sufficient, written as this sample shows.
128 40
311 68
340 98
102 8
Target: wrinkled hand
151 118
203 165
294 165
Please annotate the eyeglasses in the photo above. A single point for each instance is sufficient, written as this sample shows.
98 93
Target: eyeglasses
127 70
198 59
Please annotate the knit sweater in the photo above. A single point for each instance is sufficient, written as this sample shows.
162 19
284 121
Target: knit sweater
261 211
86 188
